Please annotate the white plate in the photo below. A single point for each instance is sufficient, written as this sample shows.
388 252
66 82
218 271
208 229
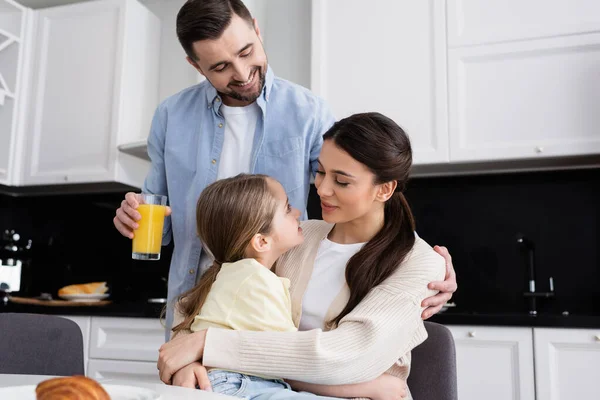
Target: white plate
84 297
116 392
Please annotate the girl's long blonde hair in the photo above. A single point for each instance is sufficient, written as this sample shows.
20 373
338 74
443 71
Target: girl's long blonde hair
229 213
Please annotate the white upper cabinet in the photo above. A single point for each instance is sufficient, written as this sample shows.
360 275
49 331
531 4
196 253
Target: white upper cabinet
13 19
474 22
523 79
93 87
89 83
392 60
525 99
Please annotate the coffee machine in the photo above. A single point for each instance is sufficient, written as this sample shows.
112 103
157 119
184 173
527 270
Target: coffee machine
15 260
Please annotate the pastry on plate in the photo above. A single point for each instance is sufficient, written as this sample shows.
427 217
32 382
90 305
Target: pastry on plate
70 388
84 288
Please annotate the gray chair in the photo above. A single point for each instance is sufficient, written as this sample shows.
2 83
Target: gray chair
433 366
35 344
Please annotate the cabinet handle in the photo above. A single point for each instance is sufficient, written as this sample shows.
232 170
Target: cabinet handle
539 149
471 333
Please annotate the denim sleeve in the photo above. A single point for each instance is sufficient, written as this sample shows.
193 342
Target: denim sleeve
156 180
324 121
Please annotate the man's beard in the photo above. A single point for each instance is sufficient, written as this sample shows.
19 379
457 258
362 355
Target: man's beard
252 96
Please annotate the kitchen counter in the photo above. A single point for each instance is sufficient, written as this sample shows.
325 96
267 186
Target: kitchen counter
517 319
129 309
143 309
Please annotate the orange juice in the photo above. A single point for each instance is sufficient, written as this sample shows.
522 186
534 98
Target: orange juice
148 237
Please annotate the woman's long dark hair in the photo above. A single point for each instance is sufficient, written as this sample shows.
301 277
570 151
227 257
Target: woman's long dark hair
384 148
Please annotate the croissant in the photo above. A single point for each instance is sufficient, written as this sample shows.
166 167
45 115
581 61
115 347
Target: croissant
70 388
84 288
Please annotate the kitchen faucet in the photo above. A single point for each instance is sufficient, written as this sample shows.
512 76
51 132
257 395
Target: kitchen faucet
528 245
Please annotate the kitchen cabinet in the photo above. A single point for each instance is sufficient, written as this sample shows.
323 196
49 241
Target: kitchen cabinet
528 99
129 370
126 339
494 362
473 22
471 83
393 62
567 362
89 84
125 347
523 85
13 25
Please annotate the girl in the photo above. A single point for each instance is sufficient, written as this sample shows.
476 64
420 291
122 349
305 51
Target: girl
358 279
247 223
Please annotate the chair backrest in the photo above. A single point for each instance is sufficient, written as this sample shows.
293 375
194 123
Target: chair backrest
433 366
35 344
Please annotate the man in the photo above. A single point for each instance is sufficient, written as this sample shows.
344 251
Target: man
241 119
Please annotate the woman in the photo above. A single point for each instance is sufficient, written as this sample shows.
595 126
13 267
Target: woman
357 281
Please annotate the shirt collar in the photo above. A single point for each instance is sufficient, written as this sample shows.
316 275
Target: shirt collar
212 95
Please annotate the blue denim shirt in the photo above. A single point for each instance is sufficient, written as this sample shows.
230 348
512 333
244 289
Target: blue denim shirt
185 145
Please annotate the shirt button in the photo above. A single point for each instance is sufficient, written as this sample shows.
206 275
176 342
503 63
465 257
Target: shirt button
191 271
220 125
214 161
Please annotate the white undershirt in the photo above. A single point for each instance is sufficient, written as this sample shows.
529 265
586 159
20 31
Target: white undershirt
327 279
240 125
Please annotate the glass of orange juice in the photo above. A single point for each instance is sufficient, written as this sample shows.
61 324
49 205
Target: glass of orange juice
147 238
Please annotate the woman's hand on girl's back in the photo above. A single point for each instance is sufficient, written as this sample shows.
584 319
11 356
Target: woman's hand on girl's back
446 288
178 352
192 376
390 387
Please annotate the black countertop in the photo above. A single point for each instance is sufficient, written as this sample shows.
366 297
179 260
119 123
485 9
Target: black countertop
126 309
517 319
143 309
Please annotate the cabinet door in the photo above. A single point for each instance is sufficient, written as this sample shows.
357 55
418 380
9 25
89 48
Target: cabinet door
494 363
73 111
521 100
12 28
567 363
393 62
473 22
135 339
145 372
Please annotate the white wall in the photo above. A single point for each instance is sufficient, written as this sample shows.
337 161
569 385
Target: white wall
287 38
175 72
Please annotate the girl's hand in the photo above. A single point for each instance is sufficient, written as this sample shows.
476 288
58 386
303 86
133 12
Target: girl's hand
180 352
192 376
390 387
435 303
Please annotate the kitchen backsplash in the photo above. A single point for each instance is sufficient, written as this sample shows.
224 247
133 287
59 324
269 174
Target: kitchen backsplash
476 217
479 217
74 241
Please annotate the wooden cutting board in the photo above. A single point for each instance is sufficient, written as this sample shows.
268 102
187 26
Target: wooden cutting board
56 303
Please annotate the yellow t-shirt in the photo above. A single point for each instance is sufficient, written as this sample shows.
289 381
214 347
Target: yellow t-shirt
247 296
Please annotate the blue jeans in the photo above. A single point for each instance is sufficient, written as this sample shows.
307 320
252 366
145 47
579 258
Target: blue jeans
254 388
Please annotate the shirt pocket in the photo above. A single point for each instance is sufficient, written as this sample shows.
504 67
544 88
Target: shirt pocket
284 160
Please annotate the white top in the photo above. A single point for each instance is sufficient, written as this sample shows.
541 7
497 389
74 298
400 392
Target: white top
327 279
240 125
